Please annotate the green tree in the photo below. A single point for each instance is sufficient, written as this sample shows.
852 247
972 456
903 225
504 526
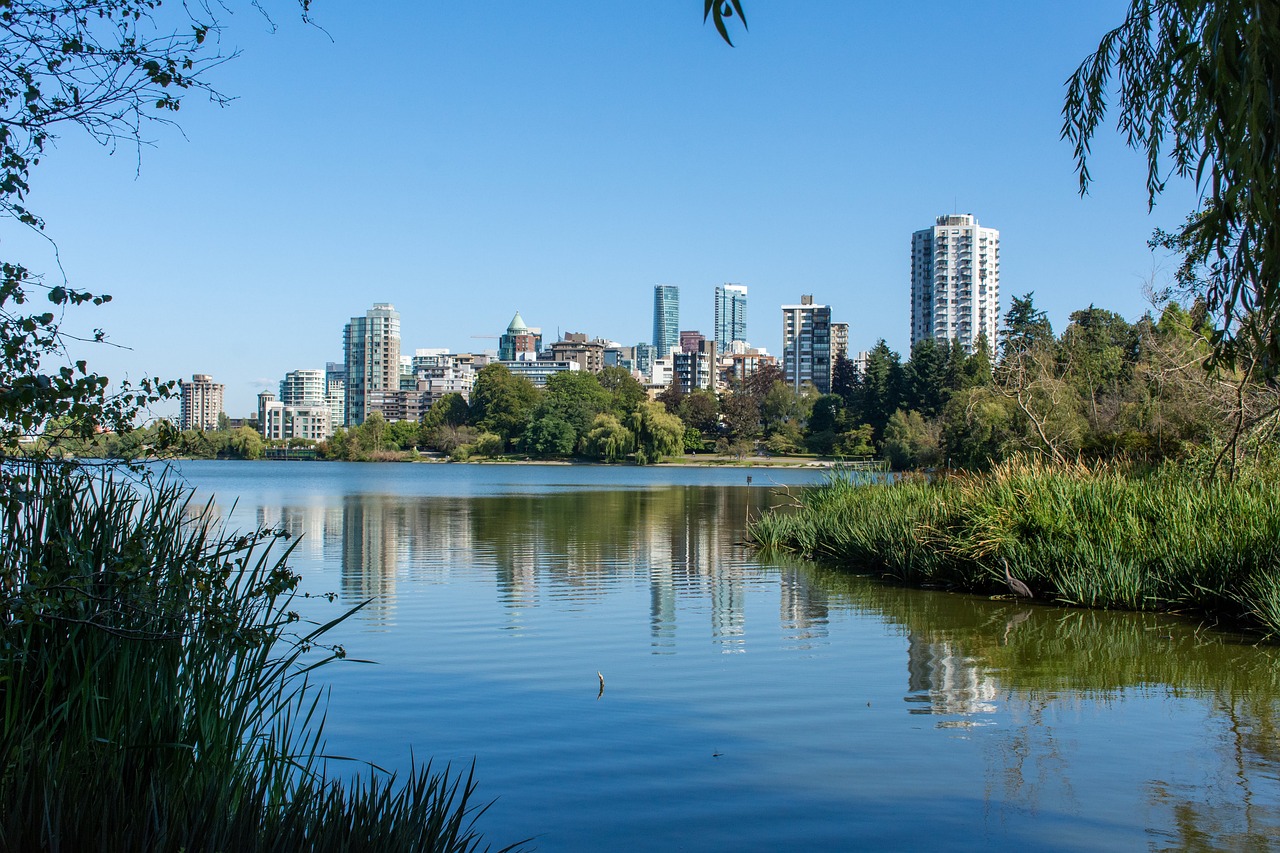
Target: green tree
1025 328
926 385
658 433
403 434
625 392
975 428
575 397
700 410
549 436
844 377
246 443
977 367
741 415
608 440
1193 83
910 441
879 391
501 403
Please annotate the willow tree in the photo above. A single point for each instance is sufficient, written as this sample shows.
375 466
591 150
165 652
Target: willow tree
1197 93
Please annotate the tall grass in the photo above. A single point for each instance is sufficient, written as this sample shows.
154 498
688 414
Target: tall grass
154 692
1105 536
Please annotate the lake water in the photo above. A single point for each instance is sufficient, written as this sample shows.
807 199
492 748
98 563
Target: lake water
749 704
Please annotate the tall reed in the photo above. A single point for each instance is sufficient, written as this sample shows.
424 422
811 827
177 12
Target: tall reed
154 692
1104 536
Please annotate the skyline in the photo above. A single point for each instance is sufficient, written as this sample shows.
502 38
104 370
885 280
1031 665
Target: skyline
466 163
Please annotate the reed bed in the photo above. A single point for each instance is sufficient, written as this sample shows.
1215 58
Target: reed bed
1093 536
154 688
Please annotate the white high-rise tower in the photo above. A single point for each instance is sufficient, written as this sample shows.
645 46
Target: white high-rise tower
955 282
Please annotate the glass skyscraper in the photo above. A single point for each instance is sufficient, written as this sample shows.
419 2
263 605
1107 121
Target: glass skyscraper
666 318
731 316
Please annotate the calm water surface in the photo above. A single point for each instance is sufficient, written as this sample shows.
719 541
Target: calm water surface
749 704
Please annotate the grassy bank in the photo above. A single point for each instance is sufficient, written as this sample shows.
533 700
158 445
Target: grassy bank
154 693
1093 537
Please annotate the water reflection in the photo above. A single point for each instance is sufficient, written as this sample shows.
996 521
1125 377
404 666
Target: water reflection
1020 683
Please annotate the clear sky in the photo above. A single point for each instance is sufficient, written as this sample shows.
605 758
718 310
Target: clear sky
465 160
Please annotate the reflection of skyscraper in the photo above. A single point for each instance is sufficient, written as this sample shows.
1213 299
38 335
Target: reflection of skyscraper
731 316
370 540
666 318
947 681
802 606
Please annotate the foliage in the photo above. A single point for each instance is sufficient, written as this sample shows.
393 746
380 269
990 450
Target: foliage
501 403
154 688
625 391
658 433
1098 536
549 436
911 442
608 440
1196 85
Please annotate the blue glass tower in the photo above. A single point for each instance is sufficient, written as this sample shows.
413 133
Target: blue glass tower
666 318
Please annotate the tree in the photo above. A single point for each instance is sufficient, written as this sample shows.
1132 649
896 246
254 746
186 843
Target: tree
449 410
879 390
740 412
246 443
624 391
502 403
700 410
910 442
1025 328
574 397
608 440
109 68
1196 83
549 436
404 434
658 433
925 381
844 377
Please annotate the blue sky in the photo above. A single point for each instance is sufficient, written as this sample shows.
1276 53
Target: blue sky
466 160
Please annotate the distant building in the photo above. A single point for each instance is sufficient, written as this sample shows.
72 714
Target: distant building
519 338
303 388
955 282
694 368
371 357
666 318
731 316
280 422
740 366
692 341
806 345
645 355
335 392
201 403
839 341
439 372
589 354
538 371
401 404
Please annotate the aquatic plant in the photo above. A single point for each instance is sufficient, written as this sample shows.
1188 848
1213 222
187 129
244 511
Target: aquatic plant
154 689
1099 536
